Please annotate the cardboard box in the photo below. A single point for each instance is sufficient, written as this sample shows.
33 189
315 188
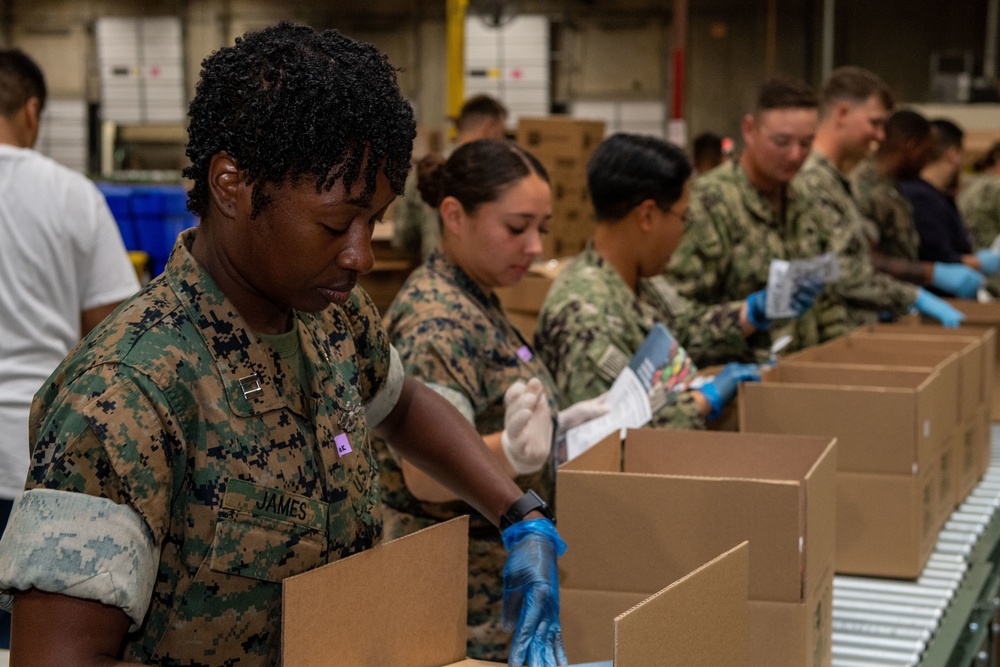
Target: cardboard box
564 146
985 335
668 499
971 392
887 524
403 604
560 136
891 420
528 295
894 427
980 315
969 455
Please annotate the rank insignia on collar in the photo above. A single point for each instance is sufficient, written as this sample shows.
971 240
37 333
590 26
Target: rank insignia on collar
349 417
250 385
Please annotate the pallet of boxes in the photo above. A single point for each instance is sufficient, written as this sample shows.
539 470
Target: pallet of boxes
564 145
910 408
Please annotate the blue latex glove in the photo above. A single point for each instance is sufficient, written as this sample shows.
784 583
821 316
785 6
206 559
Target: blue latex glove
531 593
757 310
939 309
722 389
989 261
802 300
957 279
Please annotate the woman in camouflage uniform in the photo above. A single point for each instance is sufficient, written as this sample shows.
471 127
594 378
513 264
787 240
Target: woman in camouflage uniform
451 331
213 436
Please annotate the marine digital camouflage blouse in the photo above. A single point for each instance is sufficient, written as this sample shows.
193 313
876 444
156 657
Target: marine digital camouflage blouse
202 473
460 342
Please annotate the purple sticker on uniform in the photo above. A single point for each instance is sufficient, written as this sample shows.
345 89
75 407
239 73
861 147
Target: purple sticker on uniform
343 446
524 353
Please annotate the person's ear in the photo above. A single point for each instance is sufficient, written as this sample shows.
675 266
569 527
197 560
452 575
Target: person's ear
226 185
647 212
747 126
841 110
955 155
31 120
452 215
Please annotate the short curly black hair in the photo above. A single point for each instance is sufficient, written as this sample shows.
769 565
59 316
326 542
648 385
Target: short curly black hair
288 102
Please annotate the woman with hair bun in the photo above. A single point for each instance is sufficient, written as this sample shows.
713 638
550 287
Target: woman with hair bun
494 205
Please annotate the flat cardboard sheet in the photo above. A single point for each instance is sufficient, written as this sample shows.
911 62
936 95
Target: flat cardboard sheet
680 625
402 603
683 620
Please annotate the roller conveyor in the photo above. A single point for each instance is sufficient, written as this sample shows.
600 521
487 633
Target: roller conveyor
943 619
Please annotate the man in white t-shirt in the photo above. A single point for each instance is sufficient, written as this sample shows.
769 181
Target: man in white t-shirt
63 267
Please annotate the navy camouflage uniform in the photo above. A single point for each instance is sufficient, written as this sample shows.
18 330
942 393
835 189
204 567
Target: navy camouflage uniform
590 326
180 470
888 214
979 204
869 295
732 235
460 343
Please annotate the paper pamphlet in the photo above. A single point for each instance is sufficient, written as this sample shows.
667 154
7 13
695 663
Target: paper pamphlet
660 362
784 277
660 367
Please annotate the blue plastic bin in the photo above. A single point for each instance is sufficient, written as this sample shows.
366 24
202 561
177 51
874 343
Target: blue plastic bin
160 215
118 198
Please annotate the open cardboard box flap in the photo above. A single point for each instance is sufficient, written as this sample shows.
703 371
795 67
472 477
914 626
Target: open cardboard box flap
682 620
679 625
975 345
402 603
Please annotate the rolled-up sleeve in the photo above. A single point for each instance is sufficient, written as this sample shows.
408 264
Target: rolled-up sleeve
78 545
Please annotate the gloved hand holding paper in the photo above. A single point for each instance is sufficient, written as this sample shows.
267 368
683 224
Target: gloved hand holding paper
786 278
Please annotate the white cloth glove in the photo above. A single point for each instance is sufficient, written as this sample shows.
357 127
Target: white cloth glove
527 426
581 413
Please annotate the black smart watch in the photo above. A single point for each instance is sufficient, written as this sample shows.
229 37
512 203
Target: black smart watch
527 503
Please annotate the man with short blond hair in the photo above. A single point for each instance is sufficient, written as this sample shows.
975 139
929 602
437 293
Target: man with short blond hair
746 213
854 107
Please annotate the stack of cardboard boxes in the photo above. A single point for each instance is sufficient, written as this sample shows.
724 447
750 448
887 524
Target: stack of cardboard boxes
985 315
563 146
908 408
